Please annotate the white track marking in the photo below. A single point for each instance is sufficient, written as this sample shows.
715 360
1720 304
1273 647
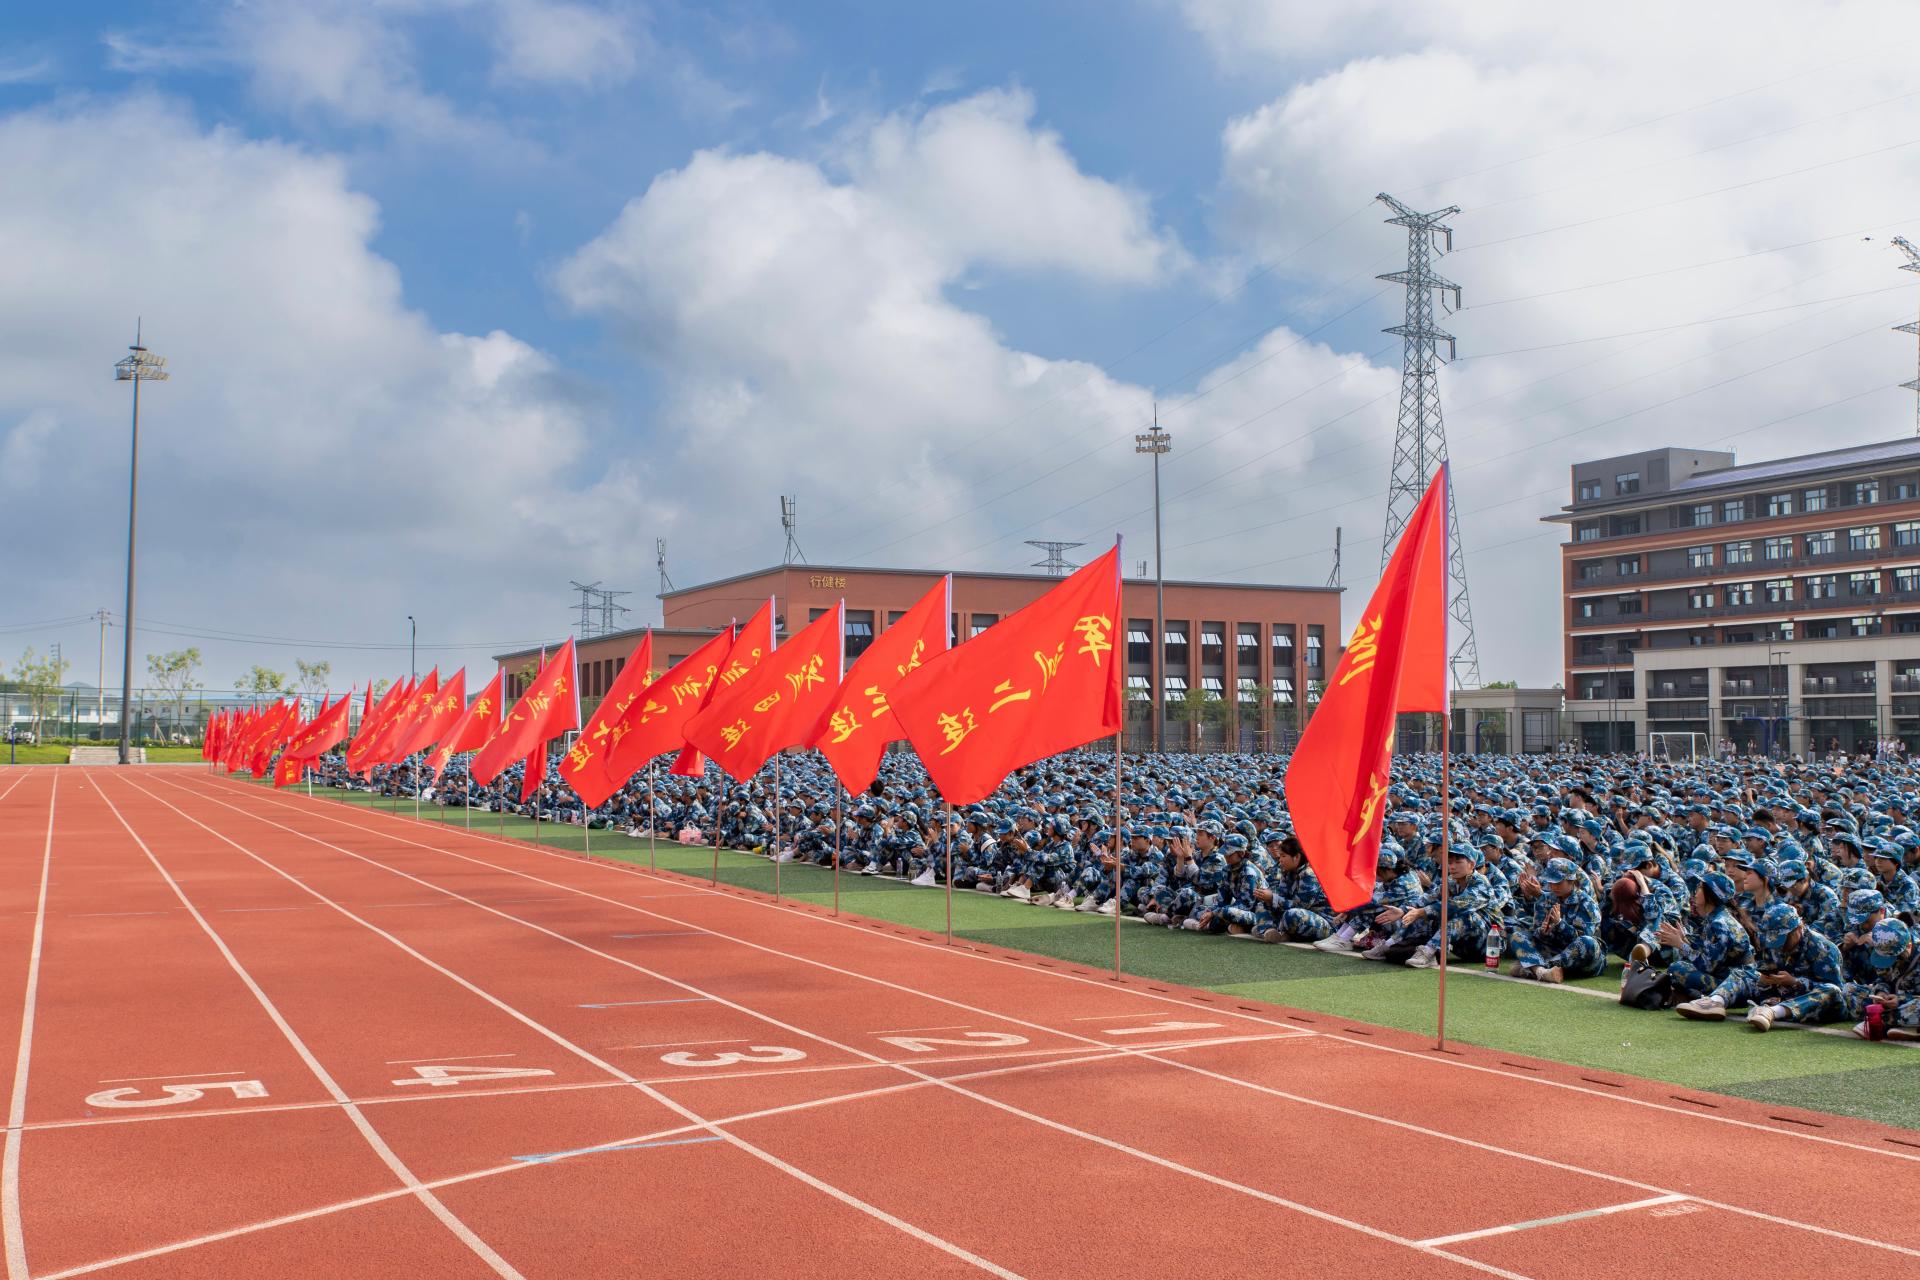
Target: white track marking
587 1055
1556 1220
900 1031
382 1197
448 1057
1231 1080
433 1204
177 1075
1101 1140
1106 985
16 1245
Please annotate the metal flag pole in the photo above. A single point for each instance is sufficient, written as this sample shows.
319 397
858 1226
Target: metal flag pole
838 792
1117 845
652 834
719 805
466 797
774 848
946 834
1446 866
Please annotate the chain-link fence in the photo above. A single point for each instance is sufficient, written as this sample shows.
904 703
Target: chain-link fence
160 717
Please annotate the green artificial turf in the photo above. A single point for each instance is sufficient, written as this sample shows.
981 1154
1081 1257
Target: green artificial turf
1790 1067
57 753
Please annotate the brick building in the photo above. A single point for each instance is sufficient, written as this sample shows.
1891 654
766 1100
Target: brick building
1249 656
1775 604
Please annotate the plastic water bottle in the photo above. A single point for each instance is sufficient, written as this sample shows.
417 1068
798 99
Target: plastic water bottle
1876 1021
1496 944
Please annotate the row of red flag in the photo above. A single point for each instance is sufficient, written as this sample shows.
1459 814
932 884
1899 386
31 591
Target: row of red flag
1044 680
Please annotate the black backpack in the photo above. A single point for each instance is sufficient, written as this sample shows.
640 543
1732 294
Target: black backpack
1644 987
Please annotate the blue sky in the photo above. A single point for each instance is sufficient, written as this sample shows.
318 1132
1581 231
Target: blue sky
466 298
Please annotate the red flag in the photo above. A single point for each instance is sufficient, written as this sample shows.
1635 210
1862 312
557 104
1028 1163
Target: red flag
548 708
473 730
401 725
280 721
857 725
324 732
585 767
1396 660
372 725
776 703
656 721
754 642
441 711
1042 681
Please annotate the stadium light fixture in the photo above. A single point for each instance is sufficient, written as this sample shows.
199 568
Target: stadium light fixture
1157 442
137 366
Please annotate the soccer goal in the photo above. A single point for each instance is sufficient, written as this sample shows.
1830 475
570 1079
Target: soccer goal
1680 748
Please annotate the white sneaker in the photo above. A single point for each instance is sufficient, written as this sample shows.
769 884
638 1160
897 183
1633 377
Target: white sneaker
1423 958
1088 905
1705 1009
1154 917
1019 893
1761 1016
1378 951
788 855
1191 925
1334 942
1110 907
986 886
925 878
1063 901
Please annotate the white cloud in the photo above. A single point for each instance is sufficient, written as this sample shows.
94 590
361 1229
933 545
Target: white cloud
543 42
323 460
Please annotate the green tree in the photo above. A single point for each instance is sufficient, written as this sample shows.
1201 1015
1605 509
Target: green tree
262 682
314 676
39 678
174 673
1501 684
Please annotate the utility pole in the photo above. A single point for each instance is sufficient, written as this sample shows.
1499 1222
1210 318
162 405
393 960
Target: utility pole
588 591
138 366
1156 442
1911 264
413 632
1055 563
1333 579
1420 440
100 684
660 563
790 521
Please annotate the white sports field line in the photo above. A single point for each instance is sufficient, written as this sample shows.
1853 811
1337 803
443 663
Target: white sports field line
16 1246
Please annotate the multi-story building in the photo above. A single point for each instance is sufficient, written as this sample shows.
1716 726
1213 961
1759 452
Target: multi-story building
1259 652
1775 604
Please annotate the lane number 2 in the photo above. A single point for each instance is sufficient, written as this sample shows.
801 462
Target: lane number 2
172 1095
965 1040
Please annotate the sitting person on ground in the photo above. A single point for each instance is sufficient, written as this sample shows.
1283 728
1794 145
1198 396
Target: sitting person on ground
1563 938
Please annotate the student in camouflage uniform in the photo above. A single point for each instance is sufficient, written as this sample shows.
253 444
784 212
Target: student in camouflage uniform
1469 910
1395 890
1305 914
1714 944
1562 939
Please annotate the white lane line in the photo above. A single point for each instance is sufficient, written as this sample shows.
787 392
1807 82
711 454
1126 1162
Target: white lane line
243 910
1231 1080
900 1031
85 915
1511 1227
481 1249
621 1004
1096 1139
464 1057
1106 985
1117 1017
671 1044
552 1156
16 1245
801 1175
177 1075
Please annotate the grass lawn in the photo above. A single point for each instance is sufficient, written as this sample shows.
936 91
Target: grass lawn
1791 1067
56 753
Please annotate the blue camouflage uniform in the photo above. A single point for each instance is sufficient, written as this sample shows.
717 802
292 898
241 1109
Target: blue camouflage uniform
1563 933
1715 946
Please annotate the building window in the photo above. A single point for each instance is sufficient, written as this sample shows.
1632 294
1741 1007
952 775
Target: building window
1139 689
1865 492
1139 642
814 615
1865 537
1213 643
1283 646
859 632
1779 504
1625 483
1588 608
1823 587
1779 591
1623 526
1589 491
1249 691
1315 640
1588 570
1175 640
1702 514
1905 490
1863 626
1778 548
1907 533
1739 593
1733 509
1587 531
1212 687
1820 544
1863 584
981 621
1700 598
1176 688
1699 557
1813 500
1739 552
1283 690
1626 604
1906 580
1628 567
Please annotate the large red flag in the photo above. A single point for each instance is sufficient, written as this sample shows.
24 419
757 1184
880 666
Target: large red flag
1042 681
854 730
754 642
374 724
441 711
474 729
282 720
549 707
585 767
1396 661
410 715
326 730
656 720
776 703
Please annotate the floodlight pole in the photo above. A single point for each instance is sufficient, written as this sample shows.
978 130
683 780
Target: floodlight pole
1157 442
138 366
413 633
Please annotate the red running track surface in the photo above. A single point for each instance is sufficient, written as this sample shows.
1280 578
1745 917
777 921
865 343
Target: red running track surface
258 1035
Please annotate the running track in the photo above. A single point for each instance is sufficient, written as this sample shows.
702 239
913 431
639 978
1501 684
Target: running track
257 1035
